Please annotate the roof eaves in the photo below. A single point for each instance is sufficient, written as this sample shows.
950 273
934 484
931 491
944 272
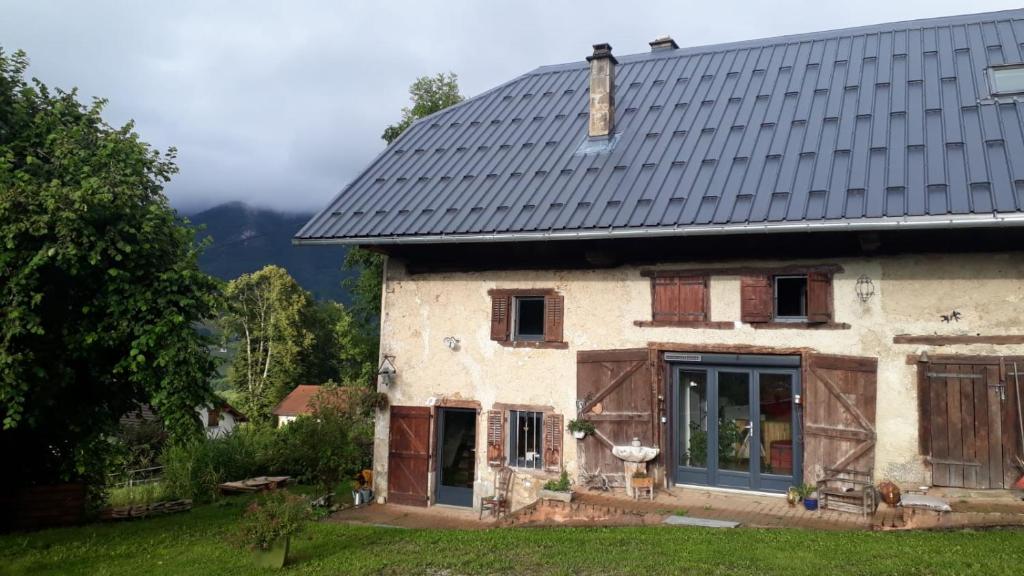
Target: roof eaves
872 224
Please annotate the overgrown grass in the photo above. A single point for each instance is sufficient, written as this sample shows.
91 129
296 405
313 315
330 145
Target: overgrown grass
137 495
194 543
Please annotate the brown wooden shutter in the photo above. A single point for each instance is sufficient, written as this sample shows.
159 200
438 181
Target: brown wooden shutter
500 317
495 438
839 414
553 442
819 297
554 318
756 298
679 299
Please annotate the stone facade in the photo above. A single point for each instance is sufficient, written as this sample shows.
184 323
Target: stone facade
911 294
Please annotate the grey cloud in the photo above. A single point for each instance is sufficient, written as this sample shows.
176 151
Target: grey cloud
281 103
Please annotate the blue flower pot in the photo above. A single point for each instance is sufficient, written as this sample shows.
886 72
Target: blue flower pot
811 504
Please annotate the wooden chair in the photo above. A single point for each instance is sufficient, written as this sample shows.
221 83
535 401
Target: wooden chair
502 499
848 491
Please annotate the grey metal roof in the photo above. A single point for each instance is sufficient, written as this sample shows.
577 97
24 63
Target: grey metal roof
882 125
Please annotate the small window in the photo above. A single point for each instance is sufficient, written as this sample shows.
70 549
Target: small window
526 433
791 297
212 418
529 318
1006 79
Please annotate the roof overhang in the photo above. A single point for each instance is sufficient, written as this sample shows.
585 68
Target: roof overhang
996 220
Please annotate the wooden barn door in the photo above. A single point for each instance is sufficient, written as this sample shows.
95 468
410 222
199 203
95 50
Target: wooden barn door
616 392
969 422
839 414
409 455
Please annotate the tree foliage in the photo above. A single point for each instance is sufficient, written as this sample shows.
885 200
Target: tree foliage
99 282
269 314
286 338
429 94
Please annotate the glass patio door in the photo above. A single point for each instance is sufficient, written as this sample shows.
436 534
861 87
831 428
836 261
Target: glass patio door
735 427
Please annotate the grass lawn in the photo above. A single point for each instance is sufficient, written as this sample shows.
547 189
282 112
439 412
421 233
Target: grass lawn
194 543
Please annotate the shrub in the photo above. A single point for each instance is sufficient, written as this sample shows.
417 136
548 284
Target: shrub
560 485
137 495
274 516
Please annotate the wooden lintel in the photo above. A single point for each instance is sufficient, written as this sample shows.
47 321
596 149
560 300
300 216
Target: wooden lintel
522 407
949 340
726 349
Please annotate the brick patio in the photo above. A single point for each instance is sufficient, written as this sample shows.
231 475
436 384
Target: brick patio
970 510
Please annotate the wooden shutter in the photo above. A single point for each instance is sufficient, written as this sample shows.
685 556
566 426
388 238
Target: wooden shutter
553 442
554 313
819 297
839 414
500 317
495 438
756 298
679 299
618 394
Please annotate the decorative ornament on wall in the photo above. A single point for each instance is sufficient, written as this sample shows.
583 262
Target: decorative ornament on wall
865 288
953 316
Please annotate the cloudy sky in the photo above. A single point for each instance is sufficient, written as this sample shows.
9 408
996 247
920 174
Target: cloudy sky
279 104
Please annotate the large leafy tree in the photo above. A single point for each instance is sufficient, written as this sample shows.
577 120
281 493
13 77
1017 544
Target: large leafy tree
99 282
429 94
269 314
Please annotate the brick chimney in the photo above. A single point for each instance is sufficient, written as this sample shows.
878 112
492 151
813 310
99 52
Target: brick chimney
602 87
663 42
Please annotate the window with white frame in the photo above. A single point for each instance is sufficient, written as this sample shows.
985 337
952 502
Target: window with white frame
526 433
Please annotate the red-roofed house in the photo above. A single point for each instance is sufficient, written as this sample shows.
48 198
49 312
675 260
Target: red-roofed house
300 402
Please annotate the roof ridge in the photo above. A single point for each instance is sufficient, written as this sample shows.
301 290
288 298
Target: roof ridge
931 22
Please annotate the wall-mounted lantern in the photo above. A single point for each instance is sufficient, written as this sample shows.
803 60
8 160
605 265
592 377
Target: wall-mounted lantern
865 288
387 370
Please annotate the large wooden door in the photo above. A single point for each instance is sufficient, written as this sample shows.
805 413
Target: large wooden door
409 455
839 414
616 392
969 422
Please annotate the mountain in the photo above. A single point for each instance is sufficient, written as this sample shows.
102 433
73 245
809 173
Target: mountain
246 239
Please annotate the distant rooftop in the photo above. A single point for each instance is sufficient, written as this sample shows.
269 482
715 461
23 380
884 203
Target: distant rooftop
878 126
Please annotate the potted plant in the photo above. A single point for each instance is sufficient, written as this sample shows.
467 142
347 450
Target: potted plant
560 489
642 480
809 495
580 428
268 525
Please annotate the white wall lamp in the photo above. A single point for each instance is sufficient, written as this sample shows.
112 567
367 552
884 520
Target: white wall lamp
451 342
387 370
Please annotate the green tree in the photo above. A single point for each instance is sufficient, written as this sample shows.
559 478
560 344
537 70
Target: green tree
429 94
99 283
269 314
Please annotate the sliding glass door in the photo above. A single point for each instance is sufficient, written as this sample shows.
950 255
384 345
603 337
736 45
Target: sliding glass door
736 426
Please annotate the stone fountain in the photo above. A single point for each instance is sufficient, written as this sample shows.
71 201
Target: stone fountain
634 459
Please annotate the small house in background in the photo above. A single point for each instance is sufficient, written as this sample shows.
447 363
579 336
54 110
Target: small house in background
302 400
220 420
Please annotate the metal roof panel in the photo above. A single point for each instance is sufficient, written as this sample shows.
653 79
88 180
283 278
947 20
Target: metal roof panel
886 121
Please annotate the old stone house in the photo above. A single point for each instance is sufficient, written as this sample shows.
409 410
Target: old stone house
767 259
